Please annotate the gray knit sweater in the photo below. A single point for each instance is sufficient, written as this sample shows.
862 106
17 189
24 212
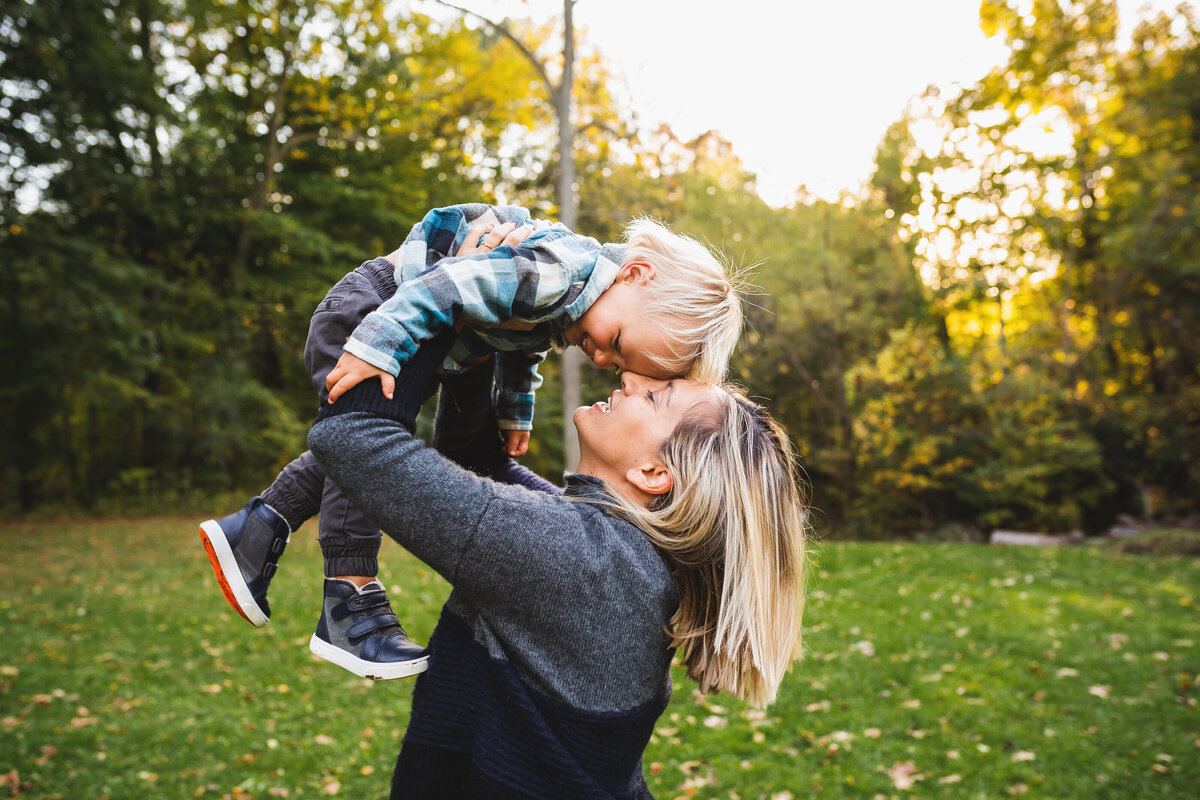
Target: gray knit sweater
554 630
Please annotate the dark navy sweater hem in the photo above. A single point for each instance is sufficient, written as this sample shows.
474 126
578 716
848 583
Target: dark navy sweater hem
479 731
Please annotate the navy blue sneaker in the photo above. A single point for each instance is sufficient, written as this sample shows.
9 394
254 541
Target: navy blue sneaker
244 549
358 631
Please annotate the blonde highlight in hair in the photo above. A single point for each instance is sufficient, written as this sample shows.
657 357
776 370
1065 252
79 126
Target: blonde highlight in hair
696 300
733 530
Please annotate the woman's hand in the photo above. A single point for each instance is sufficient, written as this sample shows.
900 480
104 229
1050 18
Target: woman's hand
486 237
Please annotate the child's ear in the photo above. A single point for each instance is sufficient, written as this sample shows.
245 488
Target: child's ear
639 272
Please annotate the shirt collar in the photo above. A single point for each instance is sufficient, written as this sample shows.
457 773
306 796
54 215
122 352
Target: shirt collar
586 486
608 263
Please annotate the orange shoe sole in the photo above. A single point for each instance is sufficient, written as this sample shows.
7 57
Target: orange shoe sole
224 584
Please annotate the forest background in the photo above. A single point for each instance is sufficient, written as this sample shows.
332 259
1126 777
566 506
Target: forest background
998 330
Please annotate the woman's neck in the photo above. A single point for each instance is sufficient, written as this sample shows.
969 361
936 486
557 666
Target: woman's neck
616 480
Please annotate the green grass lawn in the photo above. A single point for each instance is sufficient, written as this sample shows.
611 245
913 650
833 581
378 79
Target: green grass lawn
932 671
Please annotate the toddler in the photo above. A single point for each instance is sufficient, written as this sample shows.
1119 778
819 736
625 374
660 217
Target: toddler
660 305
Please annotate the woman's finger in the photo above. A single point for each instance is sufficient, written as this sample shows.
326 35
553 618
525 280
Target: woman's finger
495 236
474 236
517 235
486 237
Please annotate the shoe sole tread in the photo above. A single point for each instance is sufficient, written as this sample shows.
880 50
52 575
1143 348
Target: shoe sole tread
386 671
220 555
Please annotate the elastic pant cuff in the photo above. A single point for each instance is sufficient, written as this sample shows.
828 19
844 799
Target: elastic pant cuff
293 507
343 560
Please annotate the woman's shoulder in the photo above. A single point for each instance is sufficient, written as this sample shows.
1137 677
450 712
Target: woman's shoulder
596 551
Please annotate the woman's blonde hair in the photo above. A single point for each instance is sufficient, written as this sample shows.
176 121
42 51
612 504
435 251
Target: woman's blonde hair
733 530
696 300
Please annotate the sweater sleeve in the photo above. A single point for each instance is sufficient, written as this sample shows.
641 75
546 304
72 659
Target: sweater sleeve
431 506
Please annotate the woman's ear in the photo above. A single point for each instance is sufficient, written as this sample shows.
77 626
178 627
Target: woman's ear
651 478
639 272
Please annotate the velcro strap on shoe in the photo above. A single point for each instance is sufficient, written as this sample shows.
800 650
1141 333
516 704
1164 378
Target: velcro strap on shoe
361 602
371 624
340 611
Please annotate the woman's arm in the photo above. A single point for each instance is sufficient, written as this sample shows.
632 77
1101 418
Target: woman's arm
432 507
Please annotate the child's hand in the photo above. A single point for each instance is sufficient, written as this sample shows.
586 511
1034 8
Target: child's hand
350 371
516 443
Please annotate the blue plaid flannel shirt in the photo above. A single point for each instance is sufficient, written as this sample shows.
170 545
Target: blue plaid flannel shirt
516 300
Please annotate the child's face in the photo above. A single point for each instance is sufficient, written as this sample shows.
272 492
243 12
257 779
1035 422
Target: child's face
616 332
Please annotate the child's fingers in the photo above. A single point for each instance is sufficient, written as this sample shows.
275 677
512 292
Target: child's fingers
389 385
516 443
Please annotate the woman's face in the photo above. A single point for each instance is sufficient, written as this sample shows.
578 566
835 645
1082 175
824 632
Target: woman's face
622 436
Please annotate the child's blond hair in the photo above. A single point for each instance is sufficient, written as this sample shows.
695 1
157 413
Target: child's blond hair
696 300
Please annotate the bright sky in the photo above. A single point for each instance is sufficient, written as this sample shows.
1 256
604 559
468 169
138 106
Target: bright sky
803 89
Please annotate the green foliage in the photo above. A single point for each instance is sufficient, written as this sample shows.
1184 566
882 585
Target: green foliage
999 329
183 182
967 671
1042 468
1064 268
920 429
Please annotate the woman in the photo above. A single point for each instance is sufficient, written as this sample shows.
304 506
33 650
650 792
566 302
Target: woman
682 528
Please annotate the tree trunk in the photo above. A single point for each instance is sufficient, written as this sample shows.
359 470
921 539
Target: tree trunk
260 189
560 93
572 358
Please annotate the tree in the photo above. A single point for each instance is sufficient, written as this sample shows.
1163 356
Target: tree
81 168
920 430
180 184
1055 209
561 91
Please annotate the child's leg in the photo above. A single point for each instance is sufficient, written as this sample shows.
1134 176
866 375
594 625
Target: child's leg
349 541
357 629
346 305
244 547
465 430
296 491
